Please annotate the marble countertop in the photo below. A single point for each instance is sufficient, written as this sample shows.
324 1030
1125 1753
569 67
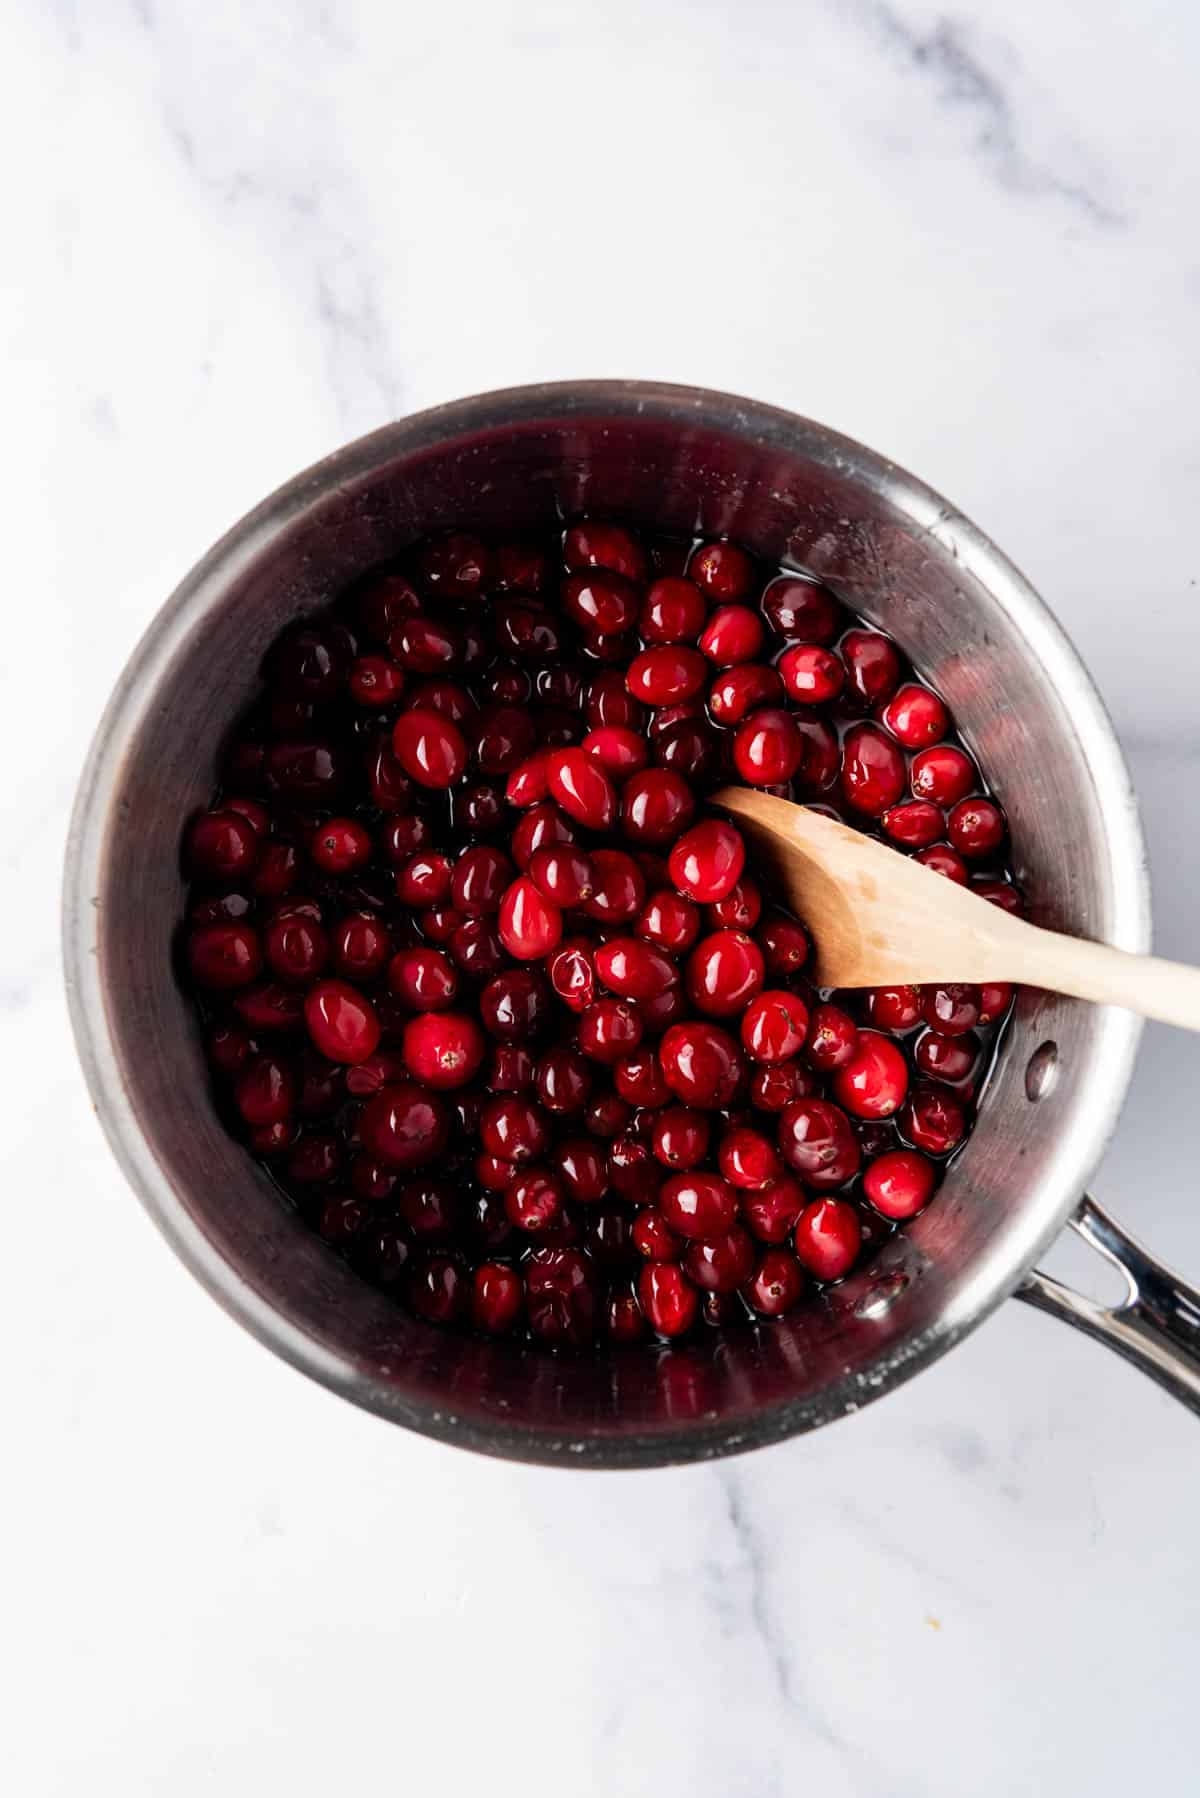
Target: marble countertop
242 235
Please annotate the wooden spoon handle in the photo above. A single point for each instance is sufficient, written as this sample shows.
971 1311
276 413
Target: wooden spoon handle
1167 990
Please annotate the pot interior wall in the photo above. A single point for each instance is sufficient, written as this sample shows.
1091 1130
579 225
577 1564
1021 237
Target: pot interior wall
789 493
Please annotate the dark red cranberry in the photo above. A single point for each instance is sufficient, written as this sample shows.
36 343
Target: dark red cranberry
771 1213
618 890
277 870
721 1263
591 543
404 1126
747 1160
572 972
634 969
668 1298
994 1001
222 845
445 696
371 1180
430 1208
366 1077
534 1200
269 1007
340 846
581 787
632 1170
874 1082
828 1238
227 1048
583 1169
391 789
341 1219
822 757
455 565
562 874
673 611
602 603
776 1284
609 1029
950 1058
832 1038
732 634
422 979
900 1183
375 680
914 822
480 807
341 1022
774 1026
951 1009
639 1079
609 701
767 747
514 1128
624 1322
314 1160
724 973
943 775
916 717
497 1293
514 1005
560 1300
443 1049
511 1069
382 602
817 1143
309 661
680 1138
296 950
479 879
529 926
494 1173
976 828
504 736
1001 893
429 747
403 837
943 860
802 610
425 645
872 770
669 921
872 664
564 1080
653 1238
740 909
784 944
542 826
721 570
265 1091
656 806
437 1290
525 631
224 956
519 568
894 1007
738 691
526 785
701 1064
811 674
707 862
666 674
775 1086
424 879
933 1120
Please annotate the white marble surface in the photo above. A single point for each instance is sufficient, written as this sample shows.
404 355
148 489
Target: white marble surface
237 235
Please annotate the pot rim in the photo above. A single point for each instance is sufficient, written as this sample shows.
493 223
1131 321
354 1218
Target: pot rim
165 636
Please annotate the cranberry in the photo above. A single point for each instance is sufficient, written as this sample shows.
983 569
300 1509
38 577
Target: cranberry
894 1007
774 1026
314 1160
914 822
340 846
430 1209
602 604
668 1298
1001 893
701 1064
872 665
436 1290
732 634
511 1069
583 1170
822 758
265 1091
624 1320
767 747
776 1284
494 1172
619 888
429 747
375 680
227 1048
666 674
832 1038
424 879
341 1022
515 1005
296 949
774 1087
514 1128
342 1217
422 979
952 1010
572 973
994 1001
817 1143
943 860
915 716
740 909
724 973
497 1293
479 879
527 784
872 770
680 1137
652 1237
933 1120
706 863
811 675
943 774
874 1082
383 602
656 806
950 1058
669 921
721 570
443 1049
828 1238
976 828
519 568
673 611
771 1213
610 702
722 1263
504 736
744 689
639 1079
900 1183
559 1297
277 870
402 837
529 925
747 1160
440 923
404 1126
635 969
224 956
784 945
222 845
534 1200
609 1029
697 1205
269 1007
620 752
425 645
542 826
455 564
564 1080
594 544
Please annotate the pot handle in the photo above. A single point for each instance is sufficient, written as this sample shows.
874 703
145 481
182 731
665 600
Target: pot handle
1157 1323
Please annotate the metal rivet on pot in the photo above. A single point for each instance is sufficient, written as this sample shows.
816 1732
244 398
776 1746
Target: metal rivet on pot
883 1295
1041 1075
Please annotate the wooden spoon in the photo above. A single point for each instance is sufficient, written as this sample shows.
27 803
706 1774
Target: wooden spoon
879 919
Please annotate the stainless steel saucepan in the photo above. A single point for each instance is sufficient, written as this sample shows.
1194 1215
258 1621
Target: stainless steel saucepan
683 460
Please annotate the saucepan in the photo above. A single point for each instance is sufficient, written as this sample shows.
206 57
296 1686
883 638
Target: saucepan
682 460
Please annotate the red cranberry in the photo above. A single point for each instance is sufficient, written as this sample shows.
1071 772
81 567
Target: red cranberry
634 968
666 674
873 1084
914 822
767 747
812 675
828 1238
900 1183
314 1160
653 1238
724 973
269 1007
581 787
437 1290
444 696
519 568
976 828
296 950
309 661
994 1001
872 665
425 645
341 1022
943 774
504 736
784 945
593 544
624 1320
227 1048
669 921
564 1080
222 845
366 1077
802 610
743 689
376 680
430 1209
542 826
304 773
391 789
701 1064
402 837
894 1007
572 972
673 611
424 879
224 956
697 1205
774 1026
265 1091
668 1298
620 752
832 1038
822 757
639 1079
721 570
602 604
277 870
610 702
455 565
383 602
872 770
773 1087
534 1200
494 1172
706 863
515 1004
776 1284
721 1264
950 1058
951 1009
943 860
511 1069
817 1143
933 1120
514 1129
740 909
443 1049
733 634
422 979
479 879
916 717
1001 893
527 784
583 1170
342 1217
340 846
440 923
429 747
656 806
770 1214
404 1126
559 1299
680 1137
747 1160
497 1293
529 925
609 1029
619 887
476 948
